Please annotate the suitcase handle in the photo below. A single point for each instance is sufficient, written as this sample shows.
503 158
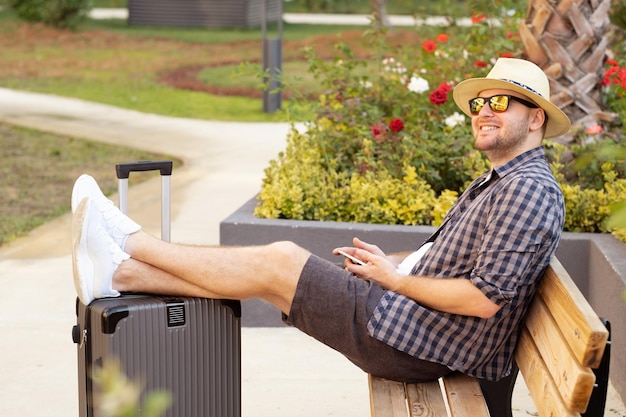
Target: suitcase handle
125 168
123 171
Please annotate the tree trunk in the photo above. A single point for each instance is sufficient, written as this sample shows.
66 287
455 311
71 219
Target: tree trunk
569 40
380 13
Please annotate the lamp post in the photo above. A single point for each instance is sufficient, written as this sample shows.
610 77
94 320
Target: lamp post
272 61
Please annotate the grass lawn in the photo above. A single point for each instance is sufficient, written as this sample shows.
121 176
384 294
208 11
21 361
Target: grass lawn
110 62
38 170
167 71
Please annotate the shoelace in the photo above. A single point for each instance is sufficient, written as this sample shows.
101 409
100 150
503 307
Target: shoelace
117 254
113 219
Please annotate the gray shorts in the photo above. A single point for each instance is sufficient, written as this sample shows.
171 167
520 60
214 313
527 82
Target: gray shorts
334 306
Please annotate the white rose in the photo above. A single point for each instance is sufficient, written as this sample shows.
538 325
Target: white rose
455 120
418 85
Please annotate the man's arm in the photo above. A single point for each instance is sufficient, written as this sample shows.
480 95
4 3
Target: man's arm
455 296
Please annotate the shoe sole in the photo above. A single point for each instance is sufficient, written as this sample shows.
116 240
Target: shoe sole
81 262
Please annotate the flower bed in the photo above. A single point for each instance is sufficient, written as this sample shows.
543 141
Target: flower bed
388 144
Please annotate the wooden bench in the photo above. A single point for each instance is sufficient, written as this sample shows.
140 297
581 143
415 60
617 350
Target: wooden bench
563 355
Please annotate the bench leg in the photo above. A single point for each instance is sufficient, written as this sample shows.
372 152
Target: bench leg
597 402
498 394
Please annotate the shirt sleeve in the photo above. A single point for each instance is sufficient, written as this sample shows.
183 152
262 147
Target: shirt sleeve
521 219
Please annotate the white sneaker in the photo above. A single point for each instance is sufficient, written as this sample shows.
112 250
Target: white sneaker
95 256
116 224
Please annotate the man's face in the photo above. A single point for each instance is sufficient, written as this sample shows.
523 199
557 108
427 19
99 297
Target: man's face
501 132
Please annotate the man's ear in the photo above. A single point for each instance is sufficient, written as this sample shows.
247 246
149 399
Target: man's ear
539 119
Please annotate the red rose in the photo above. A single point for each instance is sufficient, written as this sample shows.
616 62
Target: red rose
429 46
396 125
507 55
376 130
622 77
438 97
478 17
445 87
481 64
442 38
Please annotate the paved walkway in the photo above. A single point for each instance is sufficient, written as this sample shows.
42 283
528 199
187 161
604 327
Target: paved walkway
285 373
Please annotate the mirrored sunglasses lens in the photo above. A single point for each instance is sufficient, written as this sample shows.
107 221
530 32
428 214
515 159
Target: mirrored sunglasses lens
499 103
476 105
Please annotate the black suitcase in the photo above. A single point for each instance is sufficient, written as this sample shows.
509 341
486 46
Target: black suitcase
188 347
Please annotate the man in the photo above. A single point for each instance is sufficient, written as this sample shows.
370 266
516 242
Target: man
455 305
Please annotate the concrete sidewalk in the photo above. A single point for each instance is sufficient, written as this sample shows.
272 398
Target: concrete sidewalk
285 373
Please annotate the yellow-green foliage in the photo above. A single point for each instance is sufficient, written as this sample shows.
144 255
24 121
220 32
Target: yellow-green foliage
588 210
303 184
389 145
306 183
299 186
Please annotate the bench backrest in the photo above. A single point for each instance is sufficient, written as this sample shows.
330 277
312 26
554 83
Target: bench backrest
561 341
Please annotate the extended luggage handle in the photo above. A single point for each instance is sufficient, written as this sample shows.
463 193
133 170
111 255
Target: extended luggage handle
123 171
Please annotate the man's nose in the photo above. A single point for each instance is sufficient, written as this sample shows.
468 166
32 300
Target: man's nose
486 110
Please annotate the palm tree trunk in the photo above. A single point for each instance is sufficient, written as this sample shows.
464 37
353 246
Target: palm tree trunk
569 40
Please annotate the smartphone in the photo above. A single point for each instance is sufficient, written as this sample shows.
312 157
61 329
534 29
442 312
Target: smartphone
352 258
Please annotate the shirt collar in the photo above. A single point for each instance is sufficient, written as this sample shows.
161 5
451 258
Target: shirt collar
515 163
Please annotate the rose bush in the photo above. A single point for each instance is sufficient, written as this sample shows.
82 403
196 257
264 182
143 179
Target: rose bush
389 145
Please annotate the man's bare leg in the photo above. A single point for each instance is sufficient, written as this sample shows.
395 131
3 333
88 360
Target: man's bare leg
270 272
106 244
136 276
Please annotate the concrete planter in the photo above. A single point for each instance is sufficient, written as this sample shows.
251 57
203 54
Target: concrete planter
596 262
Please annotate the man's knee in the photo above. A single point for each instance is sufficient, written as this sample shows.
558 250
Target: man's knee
287 253
284 260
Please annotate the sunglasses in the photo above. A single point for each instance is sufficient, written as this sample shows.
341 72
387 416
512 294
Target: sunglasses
498 103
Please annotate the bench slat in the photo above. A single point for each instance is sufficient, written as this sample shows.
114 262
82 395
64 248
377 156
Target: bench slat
538 381
574 381
465 396
387 398
579 324
561 339
425 399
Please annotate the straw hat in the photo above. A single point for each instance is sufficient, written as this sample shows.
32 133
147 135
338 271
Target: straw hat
520 76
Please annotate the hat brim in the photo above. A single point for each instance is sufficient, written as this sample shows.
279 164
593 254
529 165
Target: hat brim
558 122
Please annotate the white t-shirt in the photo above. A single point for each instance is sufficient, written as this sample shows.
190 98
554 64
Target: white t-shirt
410 261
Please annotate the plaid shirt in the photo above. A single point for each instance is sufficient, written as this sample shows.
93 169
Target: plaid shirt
500 235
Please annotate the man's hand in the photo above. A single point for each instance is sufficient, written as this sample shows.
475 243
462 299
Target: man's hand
361 246
456 296
378 267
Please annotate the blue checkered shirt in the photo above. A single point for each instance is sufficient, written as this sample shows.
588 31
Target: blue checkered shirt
500 235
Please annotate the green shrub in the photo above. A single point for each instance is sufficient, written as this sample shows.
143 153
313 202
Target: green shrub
305 185
57 13
388 144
